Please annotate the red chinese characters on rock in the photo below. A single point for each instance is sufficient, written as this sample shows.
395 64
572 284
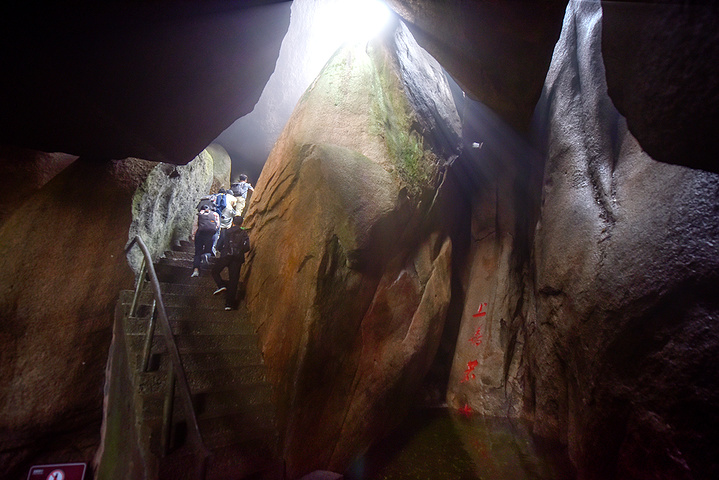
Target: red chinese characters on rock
466 410
480 313
477 337
470 368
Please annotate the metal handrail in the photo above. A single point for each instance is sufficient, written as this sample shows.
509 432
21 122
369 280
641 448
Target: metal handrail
176 363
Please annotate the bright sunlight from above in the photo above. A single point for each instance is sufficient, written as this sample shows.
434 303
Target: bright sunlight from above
353 20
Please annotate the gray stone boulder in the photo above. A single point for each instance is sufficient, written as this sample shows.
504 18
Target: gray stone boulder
164 206
620 357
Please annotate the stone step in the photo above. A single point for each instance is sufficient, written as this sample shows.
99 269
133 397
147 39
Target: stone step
179 272
223 402
199 286
206 343
207 301
180 255
182 324
234 462
242 430
203 381
254 418
240 357
184 246
245 431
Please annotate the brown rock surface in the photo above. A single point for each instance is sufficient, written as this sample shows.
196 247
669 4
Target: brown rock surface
62 262
347 288
23 171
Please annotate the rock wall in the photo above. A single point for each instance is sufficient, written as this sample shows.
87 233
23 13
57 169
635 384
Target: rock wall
347 282
587 294
164 206
63 263
23 171
619 359
498 51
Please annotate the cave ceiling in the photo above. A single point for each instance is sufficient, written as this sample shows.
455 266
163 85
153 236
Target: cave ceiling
161 80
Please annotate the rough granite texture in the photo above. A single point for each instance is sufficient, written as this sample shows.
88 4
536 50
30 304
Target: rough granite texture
164 206
620 360
347 287
56 311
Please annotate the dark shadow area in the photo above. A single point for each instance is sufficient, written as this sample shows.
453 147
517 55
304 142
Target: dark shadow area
440 444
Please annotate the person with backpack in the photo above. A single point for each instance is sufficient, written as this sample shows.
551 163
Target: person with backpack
239 190
204 228
227 213
232 256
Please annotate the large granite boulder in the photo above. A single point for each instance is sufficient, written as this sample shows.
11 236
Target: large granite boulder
24 171
346 281
154 80
620 357
498 51
597 324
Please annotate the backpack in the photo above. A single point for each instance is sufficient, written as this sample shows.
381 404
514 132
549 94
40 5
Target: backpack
206 222
205 201
238 243
220 203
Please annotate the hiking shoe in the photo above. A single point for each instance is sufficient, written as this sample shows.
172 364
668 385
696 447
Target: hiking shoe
228 308
219 290
195 273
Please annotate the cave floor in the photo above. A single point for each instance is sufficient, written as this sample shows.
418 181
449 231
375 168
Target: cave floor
438 444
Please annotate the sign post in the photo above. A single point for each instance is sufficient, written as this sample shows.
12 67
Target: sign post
60 471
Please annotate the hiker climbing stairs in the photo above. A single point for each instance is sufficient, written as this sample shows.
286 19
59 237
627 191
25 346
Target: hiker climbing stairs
223 364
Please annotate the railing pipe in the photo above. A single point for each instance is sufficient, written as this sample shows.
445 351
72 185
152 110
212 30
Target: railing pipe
147 348
173 352
167 409
138 287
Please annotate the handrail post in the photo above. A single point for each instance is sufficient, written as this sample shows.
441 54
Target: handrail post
176 371
138 287
146 349
167 409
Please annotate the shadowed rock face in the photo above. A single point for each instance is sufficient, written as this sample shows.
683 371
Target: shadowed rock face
621 353
498 52
56 308
348 287
663 76
23 171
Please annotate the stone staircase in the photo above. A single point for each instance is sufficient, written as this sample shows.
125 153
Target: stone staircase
224 368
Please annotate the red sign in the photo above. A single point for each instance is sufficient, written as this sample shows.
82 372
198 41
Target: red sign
61 471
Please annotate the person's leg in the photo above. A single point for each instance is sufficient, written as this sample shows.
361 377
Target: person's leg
233 269
220 265
215 241
240 206
199 245
221 240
